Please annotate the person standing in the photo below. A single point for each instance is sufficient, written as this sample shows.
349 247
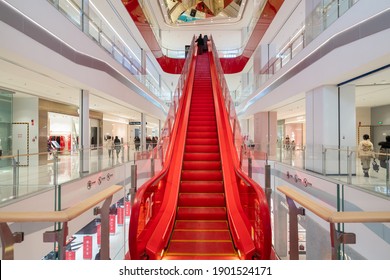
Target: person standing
365 152
109 145
200 43
137 142
205 46
117 144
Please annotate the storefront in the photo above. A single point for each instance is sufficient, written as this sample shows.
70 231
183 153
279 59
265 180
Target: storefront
63 132
6 99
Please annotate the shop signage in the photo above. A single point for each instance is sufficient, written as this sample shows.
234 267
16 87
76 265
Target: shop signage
134 123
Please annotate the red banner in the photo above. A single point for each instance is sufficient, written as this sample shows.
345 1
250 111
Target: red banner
120 215
70 255
99 234
112 224
87 247
127 208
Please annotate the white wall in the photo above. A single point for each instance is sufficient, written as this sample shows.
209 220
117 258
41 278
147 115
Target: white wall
25 109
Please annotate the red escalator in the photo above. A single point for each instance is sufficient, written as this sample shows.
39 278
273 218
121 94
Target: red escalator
201 228
201 205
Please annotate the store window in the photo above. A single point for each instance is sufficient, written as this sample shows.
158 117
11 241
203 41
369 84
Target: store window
63 132
6 100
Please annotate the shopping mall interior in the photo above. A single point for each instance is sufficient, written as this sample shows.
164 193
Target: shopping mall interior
245 147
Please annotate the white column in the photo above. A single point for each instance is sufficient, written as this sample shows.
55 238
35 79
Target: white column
348 128
265 131
330 125
143 132
84 137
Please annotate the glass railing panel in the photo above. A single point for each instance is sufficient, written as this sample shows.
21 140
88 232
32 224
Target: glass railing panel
82 234
105 42
322 16
313 233
71 10
30 173
10 193
118 55
377 233
297 45
100 31
341 164
313 236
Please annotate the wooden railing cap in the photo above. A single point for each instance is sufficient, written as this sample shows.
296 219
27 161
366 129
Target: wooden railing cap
60 216
332 216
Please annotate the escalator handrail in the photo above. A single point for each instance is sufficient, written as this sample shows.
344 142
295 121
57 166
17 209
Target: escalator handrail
135 212
237 224
264 212
160 237
243 237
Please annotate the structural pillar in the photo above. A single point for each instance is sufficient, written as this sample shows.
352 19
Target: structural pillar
84 137
143 132
265 131
330 125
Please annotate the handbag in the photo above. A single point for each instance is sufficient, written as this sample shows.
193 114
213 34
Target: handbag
375 166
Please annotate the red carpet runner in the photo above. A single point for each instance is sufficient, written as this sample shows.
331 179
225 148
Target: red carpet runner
201 229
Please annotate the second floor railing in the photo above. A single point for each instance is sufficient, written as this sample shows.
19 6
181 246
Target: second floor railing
340 163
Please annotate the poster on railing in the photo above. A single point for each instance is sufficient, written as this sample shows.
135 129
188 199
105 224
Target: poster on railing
112 224
127 208
99 234
120 216
70 255
87 247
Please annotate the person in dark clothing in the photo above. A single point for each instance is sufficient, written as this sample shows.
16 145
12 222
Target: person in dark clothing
205 46
384 152
200 43
117 145
385 144
137 142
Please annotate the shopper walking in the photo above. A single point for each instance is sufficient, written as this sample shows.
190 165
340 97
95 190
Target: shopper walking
366 153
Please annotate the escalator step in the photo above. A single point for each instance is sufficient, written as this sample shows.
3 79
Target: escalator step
201 200
201 165
201 213
201 186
